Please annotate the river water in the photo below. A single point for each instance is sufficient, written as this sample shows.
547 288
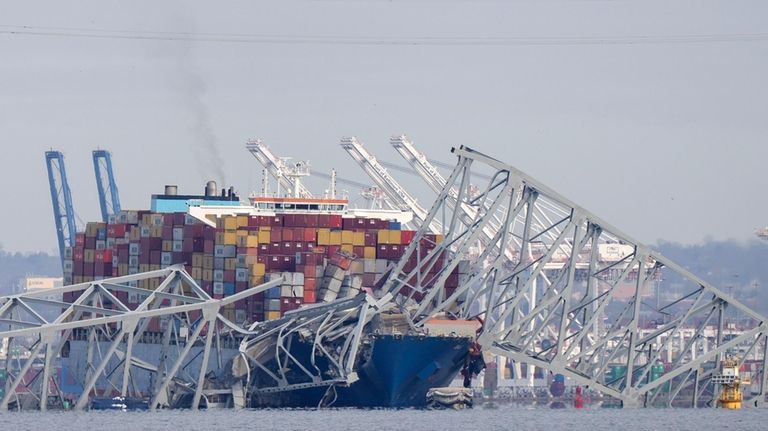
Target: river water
502 418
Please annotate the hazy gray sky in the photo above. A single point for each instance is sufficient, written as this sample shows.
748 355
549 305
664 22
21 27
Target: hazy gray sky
663 138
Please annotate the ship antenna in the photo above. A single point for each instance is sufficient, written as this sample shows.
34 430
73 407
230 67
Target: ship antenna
333 183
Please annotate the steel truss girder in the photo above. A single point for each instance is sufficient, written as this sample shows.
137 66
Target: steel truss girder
335 331
97 309
549 305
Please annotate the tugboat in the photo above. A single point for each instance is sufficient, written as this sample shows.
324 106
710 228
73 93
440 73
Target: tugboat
730 383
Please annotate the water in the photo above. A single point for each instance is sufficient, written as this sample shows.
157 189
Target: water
504 418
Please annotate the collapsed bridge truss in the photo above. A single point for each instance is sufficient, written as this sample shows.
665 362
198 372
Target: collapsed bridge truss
549 298
42 329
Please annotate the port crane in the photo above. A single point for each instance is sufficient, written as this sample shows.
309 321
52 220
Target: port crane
278 168
61 198
109 199
384 181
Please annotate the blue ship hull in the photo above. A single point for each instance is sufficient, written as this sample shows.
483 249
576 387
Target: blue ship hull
396 372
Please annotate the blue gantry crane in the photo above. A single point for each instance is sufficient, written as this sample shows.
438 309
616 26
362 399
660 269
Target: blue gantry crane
109 200
61 198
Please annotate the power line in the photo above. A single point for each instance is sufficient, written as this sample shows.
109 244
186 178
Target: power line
73 32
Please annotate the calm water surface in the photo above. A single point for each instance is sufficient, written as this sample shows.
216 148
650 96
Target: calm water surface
502 418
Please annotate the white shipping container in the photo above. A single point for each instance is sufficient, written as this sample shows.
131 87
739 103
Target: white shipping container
218 287
178 233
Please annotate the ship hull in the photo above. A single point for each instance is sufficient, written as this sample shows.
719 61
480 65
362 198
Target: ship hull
397 373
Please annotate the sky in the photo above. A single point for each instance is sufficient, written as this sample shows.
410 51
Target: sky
651 114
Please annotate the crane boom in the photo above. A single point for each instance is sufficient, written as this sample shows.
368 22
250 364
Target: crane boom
61 198
276 167
397 194
109 199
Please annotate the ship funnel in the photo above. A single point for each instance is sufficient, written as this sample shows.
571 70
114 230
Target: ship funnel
210 188
171 190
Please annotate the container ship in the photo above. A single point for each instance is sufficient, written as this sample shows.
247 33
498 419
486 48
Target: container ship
320 249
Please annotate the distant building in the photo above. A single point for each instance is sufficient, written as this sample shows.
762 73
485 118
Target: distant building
37 284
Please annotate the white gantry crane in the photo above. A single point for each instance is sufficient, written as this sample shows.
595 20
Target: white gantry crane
385 182
287 176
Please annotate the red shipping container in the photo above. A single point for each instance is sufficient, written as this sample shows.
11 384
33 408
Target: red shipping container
229 276
275 234
275 248
358 251
370 239
310 283
239 287
276 221
154 257
90 242
80 239
382 252
369 279
193 230
106 256
332 249
115 231
178 219
209 233
334 221
262 259
287 234
308 234
309 271
323 220
406 236
289 220
167 232
287 248
310 296
348 223
310 220
264 249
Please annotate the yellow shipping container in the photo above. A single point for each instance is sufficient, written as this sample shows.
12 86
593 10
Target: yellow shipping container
197 273
230 263
230 238
135 234
271 315
219 237
358 239
323 236
263 236
154 267
264 228
394 237
143 267
167 245
242 221
257 280
241 232
207 262
439 238
212 217
242 241
369 253
347 237
383 237
88 256
334 238
156 232
230 223
252 241
207 275
258 269
347 248
251 259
